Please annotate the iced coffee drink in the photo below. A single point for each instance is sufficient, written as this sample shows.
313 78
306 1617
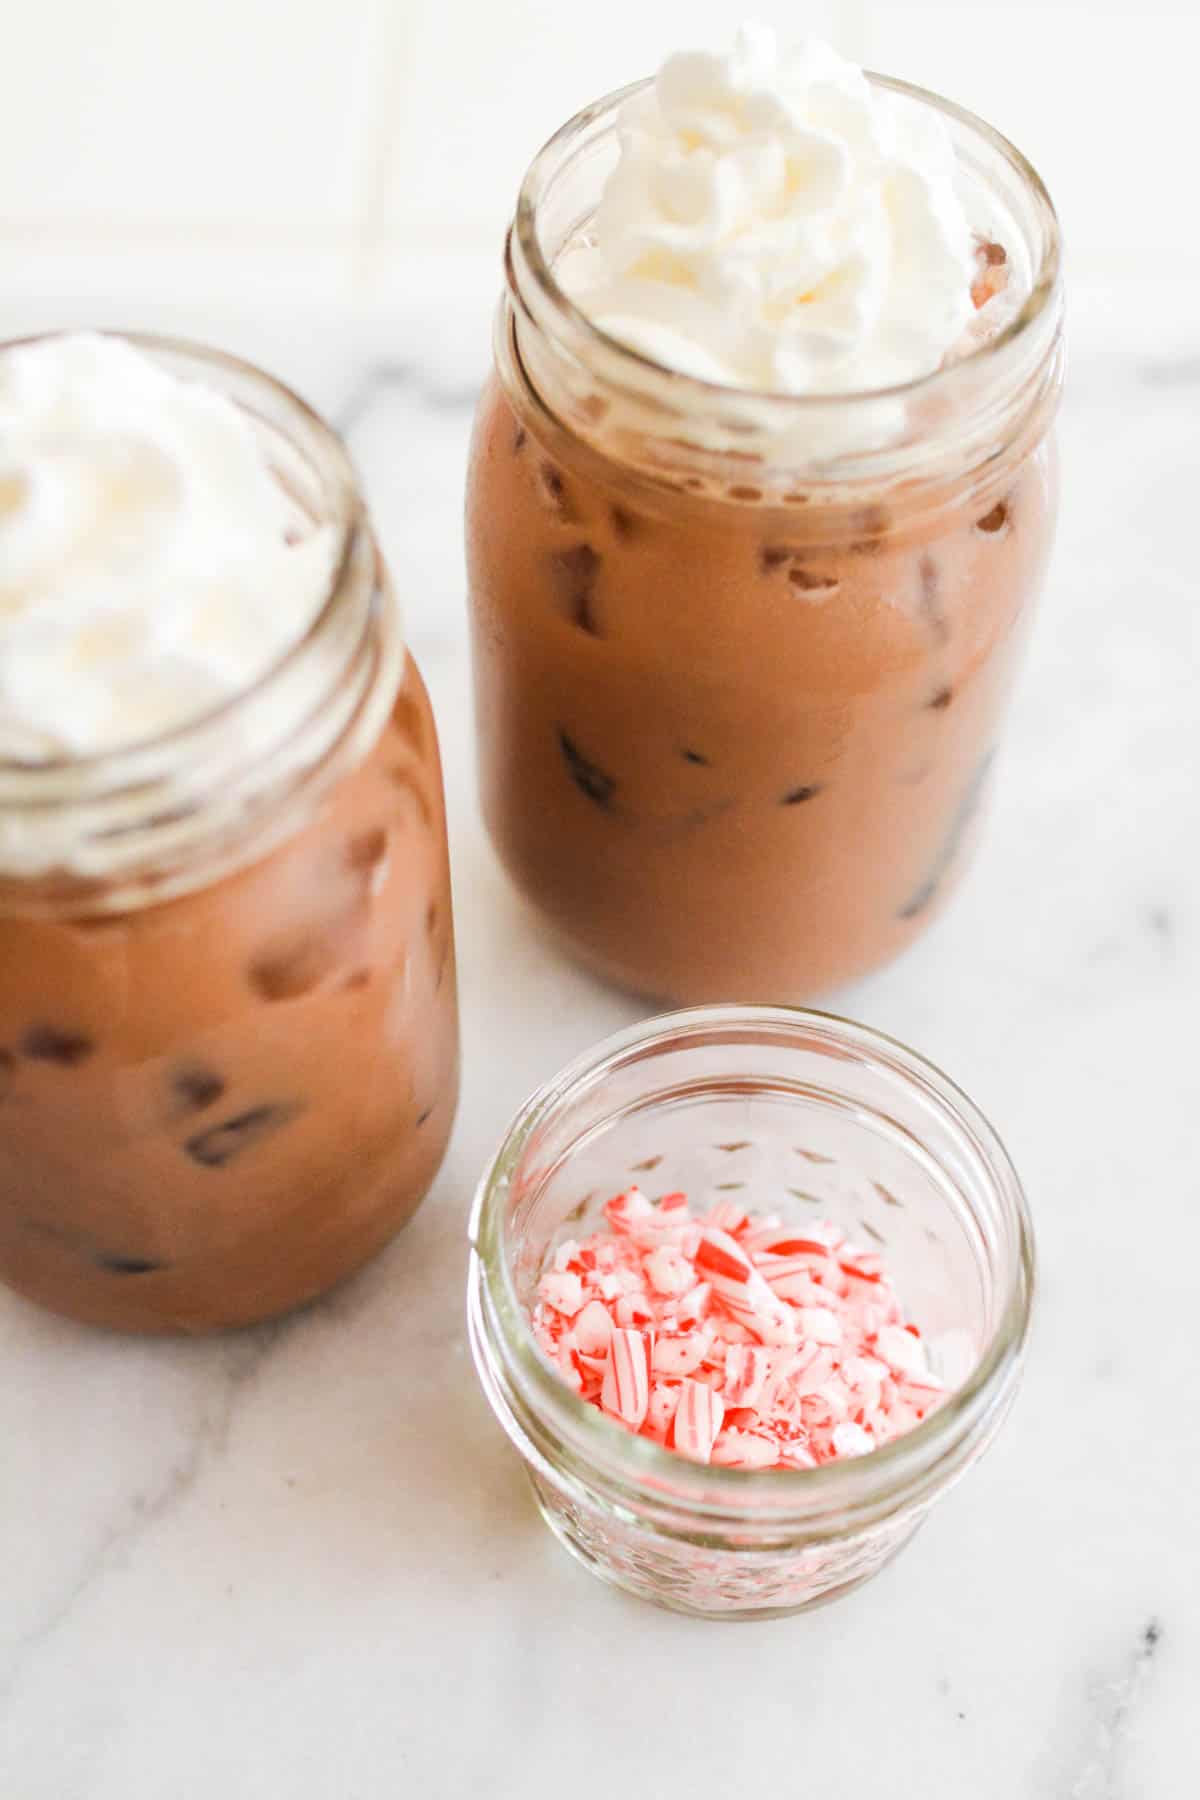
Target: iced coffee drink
760 501
228 1032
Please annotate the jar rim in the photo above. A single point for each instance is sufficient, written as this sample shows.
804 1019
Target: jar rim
145 820
903 1469
1044 293
348 514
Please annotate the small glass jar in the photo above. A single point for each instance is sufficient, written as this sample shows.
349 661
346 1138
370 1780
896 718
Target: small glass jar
228 1025
741 659
807 1116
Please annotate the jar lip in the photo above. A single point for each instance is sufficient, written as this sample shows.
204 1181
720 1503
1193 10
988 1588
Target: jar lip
1044 290
126 758
838 1487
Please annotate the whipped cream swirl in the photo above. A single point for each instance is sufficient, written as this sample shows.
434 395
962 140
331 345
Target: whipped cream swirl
777 223
151 564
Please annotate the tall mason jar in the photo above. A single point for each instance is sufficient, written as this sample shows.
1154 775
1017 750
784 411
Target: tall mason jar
228 1024
742 659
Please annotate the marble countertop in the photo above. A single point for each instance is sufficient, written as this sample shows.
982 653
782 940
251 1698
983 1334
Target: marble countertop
302 1561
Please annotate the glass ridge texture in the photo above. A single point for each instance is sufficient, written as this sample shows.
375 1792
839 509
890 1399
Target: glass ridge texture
742 660
228 1021
805 1115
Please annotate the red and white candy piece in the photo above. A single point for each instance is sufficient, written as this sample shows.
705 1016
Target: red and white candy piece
694 1305
901 1350
633 1311
664 1398
669 1271
681 1354
563 1291
697 1420
626 1390
625 1211
727 1215
593 1329
746 1371
819 1325
736 1449
739 1286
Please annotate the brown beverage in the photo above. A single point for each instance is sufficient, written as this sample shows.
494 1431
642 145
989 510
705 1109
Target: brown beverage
741 662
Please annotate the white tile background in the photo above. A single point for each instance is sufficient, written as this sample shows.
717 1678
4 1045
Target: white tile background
321 151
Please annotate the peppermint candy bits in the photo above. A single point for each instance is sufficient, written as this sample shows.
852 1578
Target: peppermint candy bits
732 1339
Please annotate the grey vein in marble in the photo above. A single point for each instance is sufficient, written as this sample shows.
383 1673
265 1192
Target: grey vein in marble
410 379
1114 1703
236 1362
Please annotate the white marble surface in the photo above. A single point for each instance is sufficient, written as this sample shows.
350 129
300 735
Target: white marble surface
302 1561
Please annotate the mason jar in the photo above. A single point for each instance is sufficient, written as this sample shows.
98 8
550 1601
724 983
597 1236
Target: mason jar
807 1117
228 1025
742 659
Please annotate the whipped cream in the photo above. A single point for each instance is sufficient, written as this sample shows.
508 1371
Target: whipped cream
777 223
151 565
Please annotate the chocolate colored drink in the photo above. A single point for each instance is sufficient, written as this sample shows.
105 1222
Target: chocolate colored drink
228 1030
741 663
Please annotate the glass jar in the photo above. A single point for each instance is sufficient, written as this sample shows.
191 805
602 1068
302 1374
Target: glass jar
803 1115
741 659
228 1025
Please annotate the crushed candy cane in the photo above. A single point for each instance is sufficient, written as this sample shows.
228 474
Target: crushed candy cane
733 1338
